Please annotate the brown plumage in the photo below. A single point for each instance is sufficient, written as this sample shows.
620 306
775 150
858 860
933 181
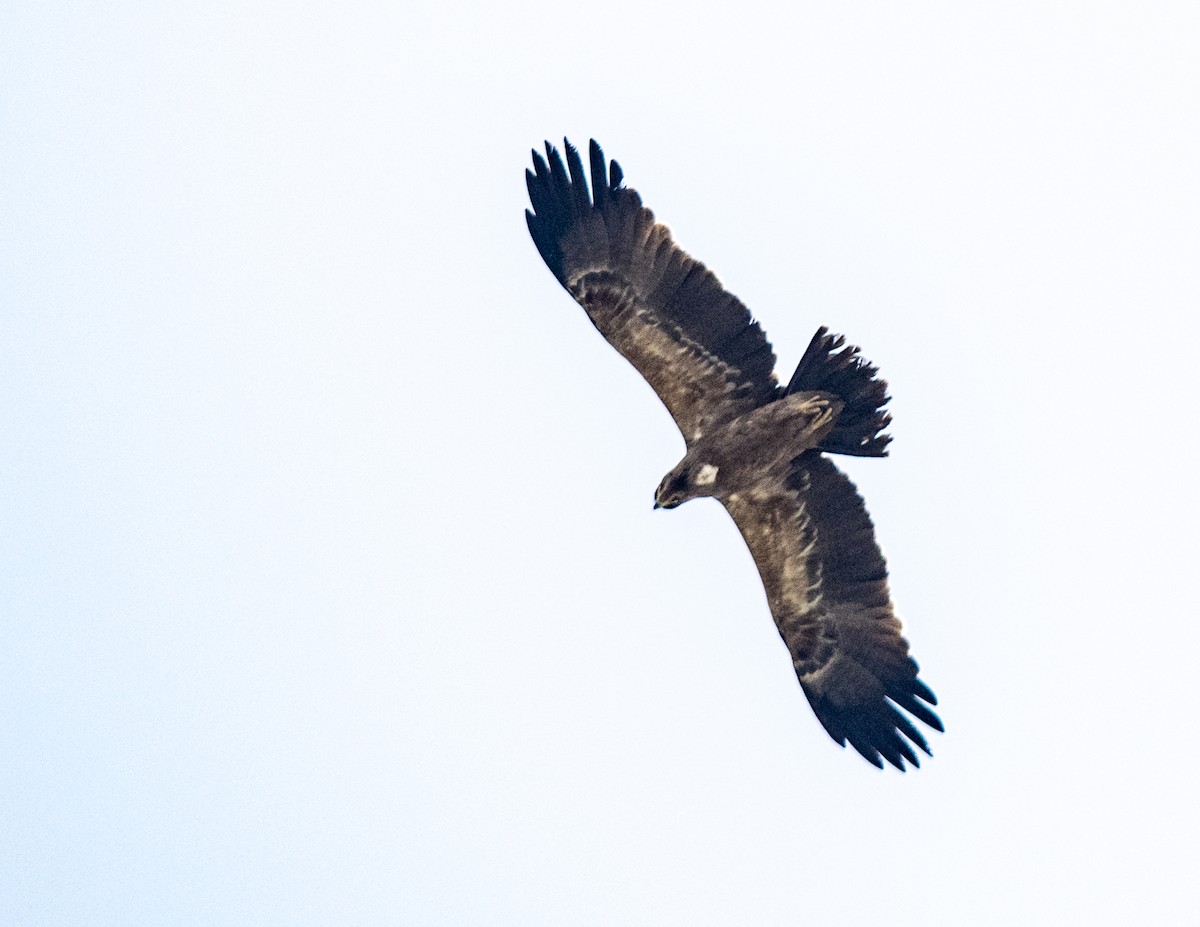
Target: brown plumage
756 446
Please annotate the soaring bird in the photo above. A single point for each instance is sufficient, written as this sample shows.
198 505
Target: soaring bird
759 447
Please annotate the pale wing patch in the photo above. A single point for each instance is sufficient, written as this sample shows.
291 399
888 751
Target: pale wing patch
696 386
782 539
801 597
844 681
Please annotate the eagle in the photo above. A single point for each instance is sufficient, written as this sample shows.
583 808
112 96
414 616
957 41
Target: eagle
757 446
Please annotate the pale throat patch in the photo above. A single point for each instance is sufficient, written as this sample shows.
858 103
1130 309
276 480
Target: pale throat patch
707 475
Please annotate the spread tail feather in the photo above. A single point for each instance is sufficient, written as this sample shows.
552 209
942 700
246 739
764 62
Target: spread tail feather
854 380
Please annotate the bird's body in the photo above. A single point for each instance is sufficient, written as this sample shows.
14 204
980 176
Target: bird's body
755 445
734 458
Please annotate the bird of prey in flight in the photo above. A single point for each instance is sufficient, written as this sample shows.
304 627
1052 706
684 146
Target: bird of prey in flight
756 445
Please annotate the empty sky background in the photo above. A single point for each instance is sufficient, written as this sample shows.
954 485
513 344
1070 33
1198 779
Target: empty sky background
330 588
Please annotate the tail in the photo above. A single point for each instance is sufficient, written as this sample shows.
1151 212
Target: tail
853 379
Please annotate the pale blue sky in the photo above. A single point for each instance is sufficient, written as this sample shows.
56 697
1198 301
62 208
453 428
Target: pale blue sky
330 588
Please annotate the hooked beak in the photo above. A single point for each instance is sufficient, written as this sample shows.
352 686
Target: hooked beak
656 505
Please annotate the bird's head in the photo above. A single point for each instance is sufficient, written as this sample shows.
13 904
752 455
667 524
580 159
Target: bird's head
689 480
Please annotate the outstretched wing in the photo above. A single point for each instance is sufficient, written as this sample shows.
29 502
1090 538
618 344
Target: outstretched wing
695 344
826 584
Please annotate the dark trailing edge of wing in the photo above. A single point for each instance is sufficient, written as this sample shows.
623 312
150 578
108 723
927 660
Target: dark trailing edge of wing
854 573
854 380
679 290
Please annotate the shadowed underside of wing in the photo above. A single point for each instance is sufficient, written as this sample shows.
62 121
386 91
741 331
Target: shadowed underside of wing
695 344
826 584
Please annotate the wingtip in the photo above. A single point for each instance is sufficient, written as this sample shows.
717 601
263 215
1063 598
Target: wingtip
579 182
569 151
615 175
554 160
